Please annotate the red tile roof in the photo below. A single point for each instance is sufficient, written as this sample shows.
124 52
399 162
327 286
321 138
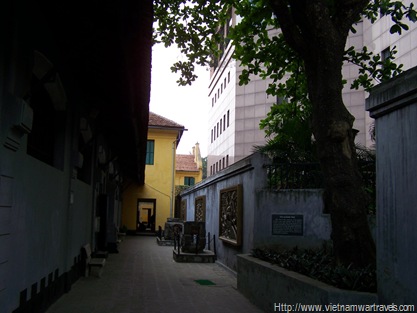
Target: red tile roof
185 162
158 120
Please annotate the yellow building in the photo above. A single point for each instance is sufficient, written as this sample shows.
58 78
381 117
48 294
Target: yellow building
189 168
148 206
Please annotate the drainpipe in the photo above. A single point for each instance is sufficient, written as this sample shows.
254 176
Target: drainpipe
173 179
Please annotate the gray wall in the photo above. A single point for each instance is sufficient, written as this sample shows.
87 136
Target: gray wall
259 204
305 202
46 213
45 230
239 173
394 106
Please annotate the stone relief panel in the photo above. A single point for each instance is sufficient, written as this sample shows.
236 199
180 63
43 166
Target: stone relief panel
230 215
183 213
200 209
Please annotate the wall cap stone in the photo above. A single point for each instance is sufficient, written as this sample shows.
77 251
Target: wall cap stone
391 95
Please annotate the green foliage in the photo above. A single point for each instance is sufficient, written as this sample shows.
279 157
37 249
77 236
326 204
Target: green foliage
255 38
289 134
367 168
262 50
395 9
191 25
180 188
320 264
372 68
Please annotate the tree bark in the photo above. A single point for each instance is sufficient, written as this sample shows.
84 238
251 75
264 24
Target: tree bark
318 34
332 129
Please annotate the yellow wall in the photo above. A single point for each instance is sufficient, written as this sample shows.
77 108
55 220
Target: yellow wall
158 181
179 177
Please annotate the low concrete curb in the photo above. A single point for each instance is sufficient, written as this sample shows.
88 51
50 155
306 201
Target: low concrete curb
268 285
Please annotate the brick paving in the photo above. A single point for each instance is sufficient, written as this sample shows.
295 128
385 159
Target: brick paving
143 277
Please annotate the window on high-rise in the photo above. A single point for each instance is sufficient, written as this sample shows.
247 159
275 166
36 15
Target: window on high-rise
385 54
223 33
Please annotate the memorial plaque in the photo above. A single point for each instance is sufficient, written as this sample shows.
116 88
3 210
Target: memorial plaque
200 209
230 215
288 224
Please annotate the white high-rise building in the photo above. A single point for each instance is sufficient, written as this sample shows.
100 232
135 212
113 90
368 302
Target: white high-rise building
236 111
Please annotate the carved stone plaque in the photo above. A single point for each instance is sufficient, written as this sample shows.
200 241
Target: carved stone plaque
200 209
183 213
230 215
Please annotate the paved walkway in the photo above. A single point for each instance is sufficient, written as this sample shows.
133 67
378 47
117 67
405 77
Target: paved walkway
144 278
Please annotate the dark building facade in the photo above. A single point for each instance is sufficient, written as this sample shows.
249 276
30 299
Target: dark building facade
74 106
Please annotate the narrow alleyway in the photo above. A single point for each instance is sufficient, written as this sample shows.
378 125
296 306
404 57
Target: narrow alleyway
144 278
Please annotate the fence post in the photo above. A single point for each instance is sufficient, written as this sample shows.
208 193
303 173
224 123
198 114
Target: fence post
214 244
208 241
179 244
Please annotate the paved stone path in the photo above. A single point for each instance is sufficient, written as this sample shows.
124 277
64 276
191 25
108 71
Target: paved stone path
143 277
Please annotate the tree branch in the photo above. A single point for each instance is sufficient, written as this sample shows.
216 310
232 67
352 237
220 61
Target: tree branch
289 27
348 12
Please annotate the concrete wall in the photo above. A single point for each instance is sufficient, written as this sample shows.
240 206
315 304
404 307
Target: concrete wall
305 202
259 205
239 173
46 212
269 287
394 106
47 218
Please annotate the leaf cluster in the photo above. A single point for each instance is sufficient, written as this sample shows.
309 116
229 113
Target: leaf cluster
372 68
259 45
397 10
288 132
261 50
320 264
191 25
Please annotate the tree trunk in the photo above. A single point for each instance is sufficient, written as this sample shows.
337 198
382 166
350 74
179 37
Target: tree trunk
317 30
332 124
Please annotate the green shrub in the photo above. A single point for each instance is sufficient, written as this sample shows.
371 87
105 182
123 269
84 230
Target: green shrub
319 264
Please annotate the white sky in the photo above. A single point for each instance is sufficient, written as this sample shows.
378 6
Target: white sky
185 105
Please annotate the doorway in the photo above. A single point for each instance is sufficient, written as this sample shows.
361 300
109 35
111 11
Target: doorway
146 215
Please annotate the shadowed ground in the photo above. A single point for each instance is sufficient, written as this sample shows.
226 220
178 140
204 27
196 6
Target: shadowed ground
144 278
